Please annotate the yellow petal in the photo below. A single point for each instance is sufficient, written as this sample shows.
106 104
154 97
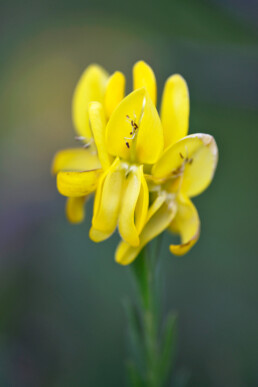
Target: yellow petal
150 140
108 198
98 236
194 158
119 125
142 204
147 144
98 126
91 87
115 91
187 224
199 174
143 76
75 209
175 109
75 159
126 222
155 206
125 253
74 184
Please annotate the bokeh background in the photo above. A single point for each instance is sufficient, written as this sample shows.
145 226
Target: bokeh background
62 321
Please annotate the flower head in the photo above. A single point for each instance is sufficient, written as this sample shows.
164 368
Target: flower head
144 168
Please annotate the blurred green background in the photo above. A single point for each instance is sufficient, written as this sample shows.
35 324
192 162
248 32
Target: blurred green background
61 317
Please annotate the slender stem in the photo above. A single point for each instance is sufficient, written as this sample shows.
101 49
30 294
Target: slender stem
153 347
150 331
144 270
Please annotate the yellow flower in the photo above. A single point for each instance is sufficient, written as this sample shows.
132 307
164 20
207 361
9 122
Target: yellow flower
185 169
131 158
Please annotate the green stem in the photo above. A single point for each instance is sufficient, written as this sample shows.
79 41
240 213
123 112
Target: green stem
153 348
144 270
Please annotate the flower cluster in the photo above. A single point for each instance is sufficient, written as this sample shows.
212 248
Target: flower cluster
143 168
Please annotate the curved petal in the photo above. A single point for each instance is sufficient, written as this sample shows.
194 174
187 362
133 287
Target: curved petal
199 174
108 199
143 76
75 159
142 204
98 236
98 126
115 91
150 139
175 109
155 206
142 143
161 219
91 87
187 224
119 125
131 197
194 158
75 209
74 184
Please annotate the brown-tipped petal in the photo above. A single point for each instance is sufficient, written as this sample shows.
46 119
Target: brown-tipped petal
194 158
187 224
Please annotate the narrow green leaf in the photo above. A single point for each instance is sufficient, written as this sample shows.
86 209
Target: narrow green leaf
135 332
168 347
